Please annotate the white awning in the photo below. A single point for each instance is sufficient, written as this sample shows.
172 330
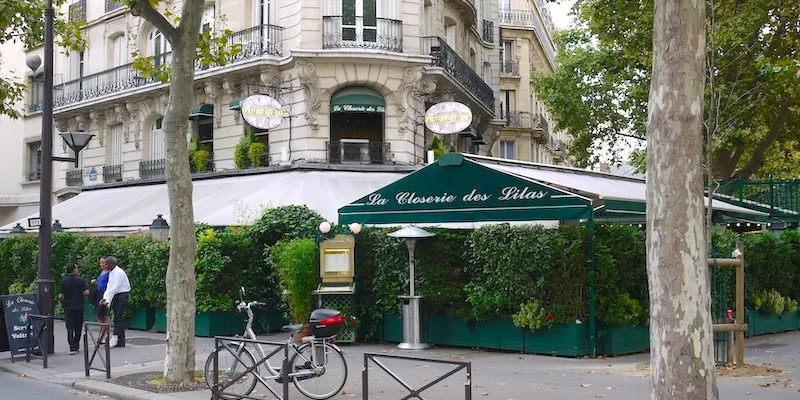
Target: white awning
218 202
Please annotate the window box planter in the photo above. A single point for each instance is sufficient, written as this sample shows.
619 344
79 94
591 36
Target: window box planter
564 340
500 335
616 340
762 323
392 328
142 319
448 331
223 323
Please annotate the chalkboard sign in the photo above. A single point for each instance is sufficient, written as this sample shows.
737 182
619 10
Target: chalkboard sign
16 308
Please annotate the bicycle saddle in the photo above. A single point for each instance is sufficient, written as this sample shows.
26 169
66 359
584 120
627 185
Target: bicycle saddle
294 328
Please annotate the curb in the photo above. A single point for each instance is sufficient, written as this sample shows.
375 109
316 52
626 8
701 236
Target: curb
118 392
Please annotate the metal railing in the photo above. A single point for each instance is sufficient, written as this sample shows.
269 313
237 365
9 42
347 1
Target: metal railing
488 31
414 393
254 42
112 173
33 176
542 125
77 11
112 5
345 152
98 341
517 119
776 197
152 169
36 345
75 177
35 107
250 370
359 32
530 19
509 67
447 59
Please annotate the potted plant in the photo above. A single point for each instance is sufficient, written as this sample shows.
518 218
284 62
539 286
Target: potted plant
241 157
201 158
256 154
296 262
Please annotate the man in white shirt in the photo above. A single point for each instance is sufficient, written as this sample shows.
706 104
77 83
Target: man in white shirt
117 295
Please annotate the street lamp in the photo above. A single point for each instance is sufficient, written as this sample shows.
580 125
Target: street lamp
76 141
159 229
57 227
18 230
325 227
411 337
355 227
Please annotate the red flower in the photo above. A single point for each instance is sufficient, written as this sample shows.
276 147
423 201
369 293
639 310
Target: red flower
353 321
550 316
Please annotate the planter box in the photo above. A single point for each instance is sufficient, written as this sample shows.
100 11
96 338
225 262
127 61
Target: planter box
448 331
143 319
392 328
564 340
615 341
762 323
266 321
209 324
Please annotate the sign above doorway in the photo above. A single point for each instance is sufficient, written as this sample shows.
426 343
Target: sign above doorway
448 117
262 111
359 100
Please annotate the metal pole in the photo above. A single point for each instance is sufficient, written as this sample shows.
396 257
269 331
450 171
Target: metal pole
45 284
592 288
411 243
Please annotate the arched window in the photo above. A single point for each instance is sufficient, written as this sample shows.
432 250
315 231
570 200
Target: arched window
158 46
357 126
118 50
157 140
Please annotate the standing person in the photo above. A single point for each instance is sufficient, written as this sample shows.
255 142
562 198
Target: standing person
100 310
116 295
73 291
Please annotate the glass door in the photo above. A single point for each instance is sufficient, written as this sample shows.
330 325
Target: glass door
360 22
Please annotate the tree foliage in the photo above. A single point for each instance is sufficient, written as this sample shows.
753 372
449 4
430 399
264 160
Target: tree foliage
600 89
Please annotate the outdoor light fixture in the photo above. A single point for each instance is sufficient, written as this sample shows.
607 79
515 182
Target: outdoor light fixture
159 229
411 336
777 225
325 227
57 227
18 230
355 227
76 141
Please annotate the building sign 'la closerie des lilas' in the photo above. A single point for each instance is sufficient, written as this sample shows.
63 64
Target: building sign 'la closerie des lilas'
508 193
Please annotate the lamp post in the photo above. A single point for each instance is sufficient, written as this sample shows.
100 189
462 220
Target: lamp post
411 336
17 229
159 229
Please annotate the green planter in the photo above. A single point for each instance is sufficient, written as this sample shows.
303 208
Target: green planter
143 319
564 340
762 323
392 328
209 324
615 341
267 321
448 331
161 320
487 335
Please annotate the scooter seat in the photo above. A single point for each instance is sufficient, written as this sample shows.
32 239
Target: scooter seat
294 328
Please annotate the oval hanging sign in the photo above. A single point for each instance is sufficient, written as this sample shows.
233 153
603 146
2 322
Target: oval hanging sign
448 117
262 111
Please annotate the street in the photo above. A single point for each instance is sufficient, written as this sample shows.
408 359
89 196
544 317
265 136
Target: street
15 387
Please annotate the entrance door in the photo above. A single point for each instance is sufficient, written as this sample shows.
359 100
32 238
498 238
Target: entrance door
360 21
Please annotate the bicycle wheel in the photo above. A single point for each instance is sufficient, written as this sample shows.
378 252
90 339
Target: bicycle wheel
329 374
230 367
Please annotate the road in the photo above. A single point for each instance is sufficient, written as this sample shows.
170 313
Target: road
15 387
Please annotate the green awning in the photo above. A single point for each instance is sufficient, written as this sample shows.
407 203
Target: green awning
358 99
236 103
202 111
456 189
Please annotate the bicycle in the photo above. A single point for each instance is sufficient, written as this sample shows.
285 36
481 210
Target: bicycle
315 364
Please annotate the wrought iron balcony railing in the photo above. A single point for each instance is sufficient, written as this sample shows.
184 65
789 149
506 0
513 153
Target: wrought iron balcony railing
447 59
509 67
112 173
516 119
152 169
255 42
488 31
33 176
112 5
362 32
77 11
347 152
75 177
530 19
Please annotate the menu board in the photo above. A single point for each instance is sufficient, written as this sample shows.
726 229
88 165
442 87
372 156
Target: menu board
16 309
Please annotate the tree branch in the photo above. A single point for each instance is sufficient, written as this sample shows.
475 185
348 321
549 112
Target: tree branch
758 155
143 8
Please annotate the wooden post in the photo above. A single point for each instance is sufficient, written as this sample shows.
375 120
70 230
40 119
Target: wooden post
740 309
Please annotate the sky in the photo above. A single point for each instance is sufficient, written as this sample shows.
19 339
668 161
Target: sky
559 11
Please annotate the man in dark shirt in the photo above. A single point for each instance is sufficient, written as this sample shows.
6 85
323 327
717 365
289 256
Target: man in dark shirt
73 291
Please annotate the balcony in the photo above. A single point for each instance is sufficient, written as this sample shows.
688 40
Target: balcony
542 128
112 173
77 11
359 32
519 120
457 69
357 153
488 31
152 169
530 19
256 41
559 152
509 68
112 5
75 177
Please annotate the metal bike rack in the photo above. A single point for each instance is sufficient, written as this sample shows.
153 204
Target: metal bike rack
36 328
230 344
415 393
105 359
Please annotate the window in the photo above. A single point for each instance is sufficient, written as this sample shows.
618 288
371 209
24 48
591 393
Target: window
205 132
450 32
360 20
34 161
487 73
158 46
508 149
505 6
78 64
426 20
473 60
117 140
37 92
157 140
508 103
118 51
264 12
208 19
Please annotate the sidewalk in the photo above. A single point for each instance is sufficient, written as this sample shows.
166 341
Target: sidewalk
496 375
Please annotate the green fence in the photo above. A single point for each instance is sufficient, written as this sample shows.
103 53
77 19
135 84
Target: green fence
778 198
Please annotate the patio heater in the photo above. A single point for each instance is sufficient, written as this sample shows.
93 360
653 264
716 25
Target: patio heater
411 336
